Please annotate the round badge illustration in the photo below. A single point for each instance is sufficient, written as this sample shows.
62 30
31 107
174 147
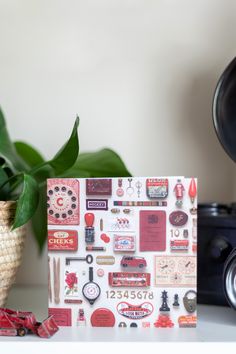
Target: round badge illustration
135 312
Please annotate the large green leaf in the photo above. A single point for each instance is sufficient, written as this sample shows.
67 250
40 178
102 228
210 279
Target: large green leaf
29 154
33 159
64 159
27 202
67 155
103 163
7 148
39 219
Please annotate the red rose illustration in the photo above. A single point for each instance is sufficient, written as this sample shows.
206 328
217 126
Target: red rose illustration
71 280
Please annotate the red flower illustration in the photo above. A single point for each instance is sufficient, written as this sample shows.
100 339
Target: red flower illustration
71 280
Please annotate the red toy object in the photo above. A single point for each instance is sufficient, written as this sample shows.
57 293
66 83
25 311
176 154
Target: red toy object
163 321
47 328
179 193
89 219
18 323
129 279
89 229
105 238
192 191
129 261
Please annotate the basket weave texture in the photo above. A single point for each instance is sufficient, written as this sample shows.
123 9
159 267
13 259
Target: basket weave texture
11 249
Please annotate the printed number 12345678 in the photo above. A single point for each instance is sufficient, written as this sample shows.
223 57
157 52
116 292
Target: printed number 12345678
119 294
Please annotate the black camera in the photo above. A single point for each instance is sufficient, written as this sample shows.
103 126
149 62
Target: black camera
217 254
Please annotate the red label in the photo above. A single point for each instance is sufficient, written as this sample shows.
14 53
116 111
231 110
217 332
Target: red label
157 188
124 243
152 230
73 301
179 245
187 321
96 186
61 316
62 240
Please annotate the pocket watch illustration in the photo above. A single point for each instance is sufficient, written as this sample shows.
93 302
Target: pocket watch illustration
187 265
165 266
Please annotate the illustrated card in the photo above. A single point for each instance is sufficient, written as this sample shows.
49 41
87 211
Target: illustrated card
122 251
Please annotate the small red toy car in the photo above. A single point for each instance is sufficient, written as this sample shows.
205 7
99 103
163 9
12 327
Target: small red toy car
129 261
18 323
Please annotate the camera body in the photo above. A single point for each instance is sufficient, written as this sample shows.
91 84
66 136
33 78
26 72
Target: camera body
216 240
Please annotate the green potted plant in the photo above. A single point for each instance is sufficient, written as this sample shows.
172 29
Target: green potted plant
23 174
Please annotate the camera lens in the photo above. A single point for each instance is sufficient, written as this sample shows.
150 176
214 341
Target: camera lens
229 278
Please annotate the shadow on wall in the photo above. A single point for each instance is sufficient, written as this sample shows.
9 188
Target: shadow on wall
197 107
196 119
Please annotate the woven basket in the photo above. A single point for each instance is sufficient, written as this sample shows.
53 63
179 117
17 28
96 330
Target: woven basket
11 247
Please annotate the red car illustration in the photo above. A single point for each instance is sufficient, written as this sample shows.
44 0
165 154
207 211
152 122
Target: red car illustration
130 261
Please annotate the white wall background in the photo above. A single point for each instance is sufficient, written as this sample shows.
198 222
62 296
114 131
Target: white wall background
140 74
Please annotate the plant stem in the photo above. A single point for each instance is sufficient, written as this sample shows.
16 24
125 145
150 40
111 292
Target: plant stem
11 178
38 167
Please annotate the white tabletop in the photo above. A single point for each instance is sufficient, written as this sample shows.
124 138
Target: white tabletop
214 324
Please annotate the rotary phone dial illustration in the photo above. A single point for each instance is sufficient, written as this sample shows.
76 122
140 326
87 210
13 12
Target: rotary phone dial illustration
61 201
